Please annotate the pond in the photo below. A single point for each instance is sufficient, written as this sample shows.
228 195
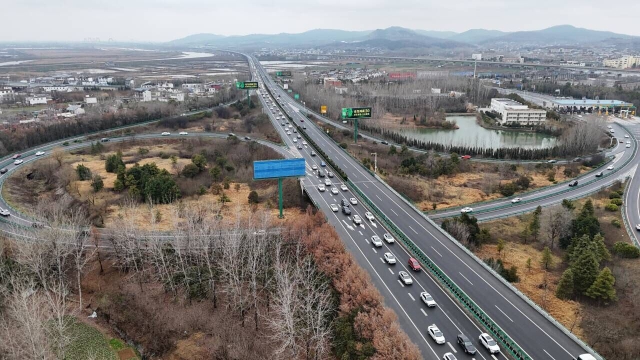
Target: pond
472 134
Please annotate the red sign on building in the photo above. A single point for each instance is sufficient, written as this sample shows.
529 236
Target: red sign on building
402 75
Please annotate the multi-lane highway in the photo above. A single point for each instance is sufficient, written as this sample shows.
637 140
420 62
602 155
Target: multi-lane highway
527 325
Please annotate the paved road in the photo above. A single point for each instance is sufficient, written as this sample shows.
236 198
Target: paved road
537 335
624 164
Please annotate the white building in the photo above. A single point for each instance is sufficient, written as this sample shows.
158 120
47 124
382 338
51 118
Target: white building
624 62
512 112
6 92
60 88
435 91
90 100
179 97
476 57
35 100
165 85
75 109
146 95
341 90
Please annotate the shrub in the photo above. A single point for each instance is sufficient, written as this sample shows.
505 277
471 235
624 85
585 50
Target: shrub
616 223
190 170
84 173
66 143
508 189
253 197
113 162
551 176
614 195
611 207
343 145
143 151
616 201
96 183
625 250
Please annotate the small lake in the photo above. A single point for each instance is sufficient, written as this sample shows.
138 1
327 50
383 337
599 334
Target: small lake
472 134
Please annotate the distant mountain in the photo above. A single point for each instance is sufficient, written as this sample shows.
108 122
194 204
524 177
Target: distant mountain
196 39
307 38
561 34
474 36
437 34
395 38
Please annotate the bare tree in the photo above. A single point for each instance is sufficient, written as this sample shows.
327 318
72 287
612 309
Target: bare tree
555 223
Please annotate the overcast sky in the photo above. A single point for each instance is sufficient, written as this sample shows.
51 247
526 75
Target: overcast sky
163 20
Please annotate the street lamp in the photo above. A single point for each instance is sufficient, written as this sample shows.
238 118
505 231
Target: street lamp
375 162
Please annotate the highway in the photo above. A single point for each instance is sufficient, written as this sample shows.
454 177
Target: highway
527 326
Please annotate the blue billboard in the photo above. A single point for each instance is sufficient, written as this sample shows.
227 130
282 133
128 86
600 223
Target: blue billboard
273 169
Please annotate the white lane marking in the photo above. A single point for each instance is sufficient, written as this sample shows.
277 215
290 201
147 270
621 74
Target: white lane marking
362 226
434 249
347 225
413 229
424 312
365 184
391 271
411 296
378 197
503 313
367 240
465 277
545 351
494 357
374 250
394 212
400 282
381 259
360 232
374 225
451 346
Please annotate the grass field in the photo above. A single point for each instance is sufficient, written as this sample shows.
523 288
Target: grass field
88 343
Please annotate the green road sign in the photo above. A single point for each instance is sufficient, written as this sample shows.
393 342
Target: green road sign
296 96
289 91
356 113
283 73
247 85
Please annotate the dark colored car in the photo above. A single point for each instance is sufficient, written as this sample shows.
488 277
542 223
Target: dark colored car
466 344
384 142
599 174
346 210
320 173
414 264
344 202
16 156
3 171
574 183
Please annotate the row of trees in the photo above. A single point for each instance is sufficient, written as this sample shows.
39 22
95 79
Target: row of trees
581 139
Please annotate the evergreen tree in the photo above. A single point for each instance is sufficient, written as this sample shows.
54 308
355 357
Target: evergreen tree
84 173
602 288
96 183
585 272
565 286
534 226
586 223
601 248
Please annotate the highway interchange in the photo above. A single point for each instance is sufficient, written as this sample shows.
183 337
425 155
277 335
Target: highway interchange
527 326
536 334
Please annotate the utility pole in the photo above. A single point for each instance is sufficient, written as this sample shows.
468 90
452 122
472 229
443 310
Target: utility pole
375 162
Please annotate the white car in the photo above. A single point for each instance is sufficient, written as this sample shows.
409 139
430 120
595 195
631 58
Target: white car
626 135
18 162
516 200
314 167
628 142
334 191
40 153
388 238
288 132
344 187
389 258
165 133
628 145
183 133
299 137
369 216
466 210
436 334
295 140
4 212
304 143
490 344
377 242
357 220
638 227
321 188
327 182
427 299
353 201
334 207
450 356
610 167
405 278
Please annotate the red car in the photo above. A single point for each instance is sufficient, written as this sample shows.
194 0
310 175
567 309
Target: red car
414 264
466 157
16 156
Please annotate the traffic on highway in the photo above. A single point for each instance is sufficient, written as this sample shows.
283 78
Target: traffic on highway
536 333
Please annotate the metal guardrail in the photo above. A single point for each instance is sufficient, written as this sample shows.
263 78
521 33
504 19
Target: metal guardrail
502 280
627 226
446 282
